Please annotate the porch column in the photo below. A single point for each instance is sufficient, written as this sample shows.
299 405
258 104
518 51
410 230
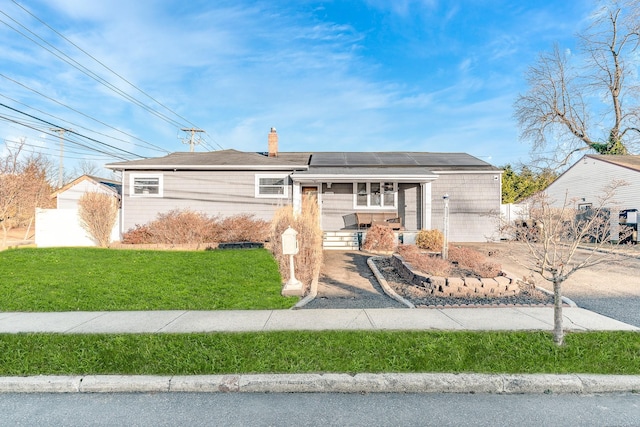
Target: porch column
297 198
425 211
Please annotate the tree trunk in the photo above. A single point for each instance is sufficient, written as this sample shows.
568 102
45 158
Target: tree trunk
558 333
5 232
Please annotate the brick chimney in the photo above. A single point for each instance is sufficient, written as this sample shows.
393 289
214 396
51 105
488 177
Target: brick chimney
273 143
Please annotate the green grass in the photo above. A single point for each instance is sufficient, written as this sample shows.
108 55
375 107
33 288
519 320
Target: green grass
91 279
305 352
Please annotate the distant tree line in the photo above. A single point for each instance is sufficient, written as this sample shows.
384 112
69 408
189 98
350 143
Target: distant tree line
519 184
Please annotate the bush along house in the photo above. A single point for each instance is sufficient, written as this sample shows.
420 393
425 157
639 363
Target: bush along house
354 190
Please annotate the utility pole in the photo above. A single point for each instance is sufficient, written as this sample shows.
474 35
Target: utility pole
61 165
192 141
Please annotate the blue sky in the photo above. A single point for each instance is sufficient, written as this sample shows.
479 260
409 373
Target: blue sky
369 75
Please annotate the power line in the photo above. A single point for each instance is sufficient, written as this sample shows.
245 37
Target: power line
83 114
110 154
71 131
66 58
45 150
158 148
110 70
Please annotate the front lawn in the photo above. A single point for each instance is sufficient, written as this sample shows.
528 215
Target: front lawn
92 279
326 351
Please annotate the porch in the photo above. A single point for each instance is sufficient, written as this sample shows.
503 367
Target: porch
352 240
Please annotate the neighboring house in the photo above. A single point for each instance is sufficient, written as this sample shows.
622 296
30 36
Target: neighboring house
67 196
62 226
408 185
587 179
584 183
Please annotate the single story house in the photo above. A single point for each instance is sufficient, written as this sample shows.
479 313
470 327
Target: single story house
406 185
586 181
67 196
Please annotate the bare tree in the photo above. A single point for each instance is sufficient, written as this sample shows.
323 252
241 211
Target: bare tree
98 213
562 239
86 167
23 188
588 101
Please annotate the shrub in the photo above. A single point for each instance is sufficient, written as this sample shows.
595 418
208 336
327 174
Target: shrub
379 238
431 240
138 235
432 265
98 213
474 261
176 227
242 228
308 261
185 226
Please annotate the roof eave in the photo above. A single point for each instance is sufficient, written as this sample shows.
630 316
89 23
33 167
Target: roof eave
207 167
360 177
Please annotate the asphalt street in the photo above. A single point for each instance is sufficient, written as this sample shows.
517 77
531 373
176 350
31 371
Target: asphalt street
312 409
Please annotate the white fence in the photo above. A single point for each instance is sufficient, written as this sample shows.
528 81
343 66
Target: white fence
61 227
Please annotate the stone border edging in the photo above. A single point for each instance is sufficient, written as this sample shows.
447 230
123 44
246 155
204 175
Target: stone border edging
328 383
384 284
499 286
313 292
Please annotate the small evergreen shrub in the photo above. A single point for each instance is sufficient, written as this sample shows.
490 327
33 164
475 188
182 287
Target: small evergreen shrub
430 240
379 238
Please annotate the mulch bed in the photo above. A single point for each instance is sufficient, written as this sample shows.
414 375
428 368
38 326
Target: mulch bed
420 297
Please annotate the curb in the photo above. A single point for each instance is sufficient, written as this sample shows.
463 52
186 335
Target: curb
328 383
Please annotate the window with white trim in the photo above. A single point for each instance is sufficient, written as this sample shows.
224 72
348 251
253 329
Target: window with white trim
147 185
375 195
272 186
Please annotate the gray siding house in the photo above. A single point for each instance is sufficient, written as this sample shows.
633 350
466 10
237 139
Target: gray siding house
409 185
585 183
586 180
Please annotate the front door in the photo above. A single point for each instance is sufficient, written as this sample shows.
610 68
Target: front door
310 196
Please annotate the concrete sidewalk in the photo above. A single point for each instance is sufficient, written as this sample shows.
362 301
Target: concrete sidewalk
505 318
472 319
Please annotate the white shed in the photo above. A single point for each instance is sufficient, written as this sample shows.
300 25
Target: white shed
67 197
62 226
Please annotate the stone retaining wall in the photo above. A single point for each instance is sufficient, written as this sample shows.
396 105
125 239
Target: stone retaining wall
499 286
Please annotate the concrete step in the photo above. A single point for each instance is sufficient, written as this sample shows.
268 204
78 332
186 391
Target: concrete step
340 240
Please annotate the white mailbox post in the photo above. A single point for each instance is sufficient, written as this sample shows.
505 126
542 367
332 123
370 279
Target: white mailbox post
293 287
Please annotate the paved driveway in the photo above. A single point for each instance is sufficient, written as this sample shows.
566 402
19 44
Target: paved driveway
611 289
346 281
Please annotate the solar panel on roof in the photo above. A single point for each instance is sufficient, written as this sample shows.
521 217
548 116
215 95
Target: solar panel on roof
328 159
362 159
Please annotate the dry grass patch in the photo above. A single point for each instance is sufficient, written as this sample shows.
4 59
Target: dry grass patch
308 261
461 259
